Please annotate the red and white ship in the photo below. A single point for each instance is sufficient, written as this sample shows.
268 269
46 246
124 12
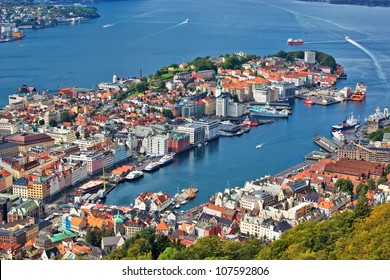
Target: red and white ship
292 41
308 101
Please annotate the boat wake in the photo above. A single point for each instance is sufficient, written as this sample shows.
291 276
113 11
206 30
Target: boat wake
325 42
109 25
372 56
166 29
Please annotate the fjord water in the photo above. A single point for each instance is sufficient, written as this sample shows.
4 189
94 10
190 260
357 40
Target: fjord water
148 34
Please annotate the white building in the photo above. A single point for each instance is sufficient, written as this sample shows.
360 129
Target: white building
310 57
156 145
196 132
211 127
261 94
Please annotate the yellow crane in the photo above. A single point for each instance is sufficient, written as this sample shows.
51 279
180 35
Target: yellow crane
359 148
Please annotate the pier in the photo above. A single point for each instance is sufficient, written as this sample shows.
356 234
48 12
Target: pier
326 144
317 155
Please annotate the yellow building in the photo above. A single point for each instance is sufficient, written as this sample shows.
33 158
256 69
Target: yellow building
62 136
38 189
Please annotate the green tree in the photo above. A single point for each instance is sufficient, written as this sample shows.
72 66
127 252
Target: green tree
344 185
53 123
168 114
371 184
86 135
65 117
41 122
361 189
77 135
362 209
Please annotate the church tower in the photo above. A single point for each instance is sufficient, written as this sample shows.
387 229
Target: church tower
118 224
218 89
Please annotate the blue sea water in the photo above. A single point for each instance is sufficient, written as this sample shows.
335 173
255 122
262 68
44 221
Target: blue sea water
148 34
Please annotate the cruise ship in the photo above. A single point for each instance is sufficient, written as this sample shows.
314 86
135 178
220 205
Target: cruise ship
168 158
268 111
152 167
134 175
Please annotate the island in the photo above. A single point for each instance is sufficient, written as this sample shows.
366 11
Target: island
15 17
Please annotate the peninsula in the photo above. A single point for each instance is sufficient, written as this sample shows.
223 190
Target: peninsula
15 17
63 151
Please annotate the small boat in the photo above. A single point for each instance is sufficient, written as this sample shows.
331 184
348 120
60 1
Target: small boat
338 135
259 146
199 145
186 21
183 202
308 101
168 158
134 175
205 143
152 166
177 206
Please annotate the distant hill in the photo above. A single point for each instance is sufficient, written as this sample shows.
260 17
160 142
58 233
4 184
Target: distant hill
370 3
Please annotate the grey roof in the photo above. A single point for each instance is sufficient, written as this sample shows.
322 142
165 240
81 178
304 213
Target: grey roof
21 182
282 226
221 221
111 240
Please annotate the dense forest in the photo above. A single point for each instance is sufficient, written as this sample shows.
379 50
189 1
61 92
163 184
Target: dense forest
361 234
371 3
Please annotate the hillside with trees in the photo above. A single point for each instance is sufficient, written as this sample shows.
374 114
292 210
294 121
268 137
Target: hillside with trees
361 234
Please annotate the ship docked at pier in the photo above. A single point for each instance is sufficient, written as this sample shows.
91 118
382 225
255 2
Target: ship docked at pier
268 111
292 41
349 123
360 92
168 158
134 175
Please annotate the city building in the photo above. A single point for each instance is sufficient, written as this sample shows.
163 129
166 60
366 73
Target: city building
211 128
196 132
310 57
178 142
29 139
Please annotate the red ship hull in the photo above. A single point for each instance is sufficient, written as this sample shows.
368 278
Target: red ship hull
294 43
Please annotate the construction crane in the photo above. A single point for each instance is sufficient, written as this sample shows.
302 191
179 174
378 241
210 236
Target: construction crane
359 148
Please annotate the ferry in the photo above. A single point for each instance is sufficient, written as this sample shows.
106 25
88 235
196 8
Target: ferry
134 175
338 135
292 41
168 158
186 21
360 92
152 167
268 111
349 123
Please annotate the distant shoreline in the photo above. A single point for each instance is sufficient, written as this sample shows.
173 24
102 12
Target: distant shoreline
367 3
